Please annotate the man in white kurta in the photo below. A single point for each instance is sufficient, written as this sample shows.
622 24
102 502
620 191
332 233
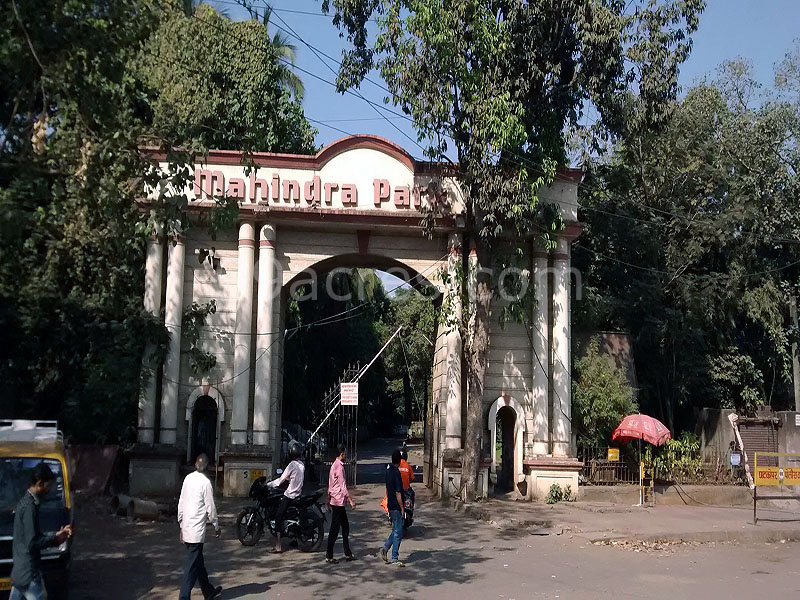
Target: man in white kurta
195 508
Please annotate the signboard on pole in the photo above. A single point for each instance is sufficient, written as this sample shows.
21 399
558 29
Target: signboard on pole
776 475
349 394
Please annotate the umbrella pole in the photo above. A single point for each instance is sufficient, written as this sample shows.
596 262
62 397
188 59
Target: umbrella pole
641 472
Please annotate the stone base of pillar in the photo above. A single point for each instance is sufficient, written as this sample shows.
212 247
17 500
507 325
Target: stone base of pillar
541 473
242 465
561 450
154 470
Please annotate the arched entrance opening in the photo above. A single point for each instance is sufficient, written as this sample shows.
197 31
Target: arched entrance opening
354 308
506 421
506 424
205 413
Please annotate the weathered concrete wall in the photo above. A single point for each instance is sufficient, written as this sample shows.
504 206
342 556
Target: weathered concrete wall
788 432
716 435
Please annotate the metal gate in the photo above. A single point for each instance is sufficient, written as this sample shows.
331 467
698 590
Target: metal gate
341 427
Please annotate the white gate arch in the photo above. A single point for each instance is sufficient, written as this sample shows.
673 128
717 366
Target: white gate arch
216 396
519 432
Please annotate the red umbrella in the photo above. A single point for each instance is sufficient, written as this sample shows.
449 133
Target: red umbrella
641 427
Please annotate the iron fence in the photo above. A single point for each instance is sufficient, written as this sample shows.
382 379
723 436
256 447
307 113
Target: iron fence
597 469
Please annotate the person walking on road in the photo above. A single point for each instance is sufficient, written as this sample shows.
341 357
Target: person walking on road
295 472
196 507
337 496
396 500
28 540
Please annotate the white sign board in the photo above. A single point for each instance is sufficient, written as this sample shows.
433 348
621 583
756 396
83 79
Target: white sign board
349 394
797 420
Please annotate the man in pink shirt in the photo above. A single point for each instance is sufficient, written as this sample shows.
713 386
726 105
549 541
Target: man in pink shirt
337 496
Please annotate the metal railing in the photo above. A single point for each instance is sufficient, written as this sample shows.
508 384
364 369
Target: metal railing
597 469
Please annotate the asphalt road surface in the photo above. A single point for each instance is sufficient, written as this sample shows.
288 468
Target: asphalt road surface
447 554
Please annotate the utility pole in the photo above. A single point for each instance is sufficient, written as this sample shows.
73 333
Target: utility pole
795 359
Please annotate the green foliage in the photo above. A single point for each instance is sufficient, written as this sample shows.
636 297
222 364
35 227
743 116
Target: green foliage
556 494
503 82
601 395
194 318
559 494
409 362
689 247
396 387
677 460
84 85
569 495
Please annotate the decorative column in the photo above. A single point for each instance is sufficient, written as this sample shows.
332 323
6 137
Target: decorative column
266 336
562 385
453 361
173 319
541 343
154 264
243 334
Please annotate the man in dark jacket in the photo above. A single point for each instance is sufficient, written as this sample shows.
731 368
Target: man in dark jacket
396 499
26 575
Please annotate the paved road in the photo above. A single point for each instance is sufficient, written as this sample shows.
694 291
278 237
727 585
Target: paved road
448 556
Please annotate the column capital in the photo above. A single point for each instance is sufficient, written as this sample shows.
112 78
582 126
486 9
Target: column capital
247 234
572 231
267 236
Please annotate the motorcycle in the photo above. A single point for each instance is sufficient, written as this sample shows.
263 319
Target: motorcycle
408 509
304 520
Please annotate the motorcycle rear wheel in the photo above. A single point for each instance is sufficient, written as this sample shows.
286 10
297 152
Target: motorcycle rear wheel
310 537
249 527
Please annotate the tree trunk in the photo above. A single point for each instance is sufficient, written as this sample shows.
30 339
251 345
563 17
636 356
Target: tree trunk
476 369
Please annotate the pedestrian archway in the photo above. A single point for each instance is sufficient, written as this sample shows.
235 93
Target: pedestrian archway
507 416
205 413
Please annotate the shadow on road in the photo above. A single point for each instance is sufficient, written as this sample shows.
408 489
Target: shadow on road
120 560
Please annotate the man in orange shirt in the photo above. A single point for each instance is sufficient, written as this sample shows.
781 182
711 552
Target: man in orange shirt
406 472
407 475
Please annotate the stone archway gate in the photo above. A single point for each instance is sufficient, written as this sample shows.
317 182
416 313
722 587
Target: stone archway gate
358 202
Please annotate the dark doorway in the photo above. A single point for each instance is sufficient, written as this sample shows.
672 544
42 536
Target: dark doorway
506 421
204 428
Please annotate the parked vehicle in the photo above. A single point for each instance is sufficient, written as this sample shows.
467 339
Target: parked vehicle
23 445
304 520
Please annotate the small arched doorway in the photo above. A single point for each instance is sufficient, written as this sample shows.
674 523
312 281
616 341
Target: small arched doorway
507 418
205 413
204 428
505 424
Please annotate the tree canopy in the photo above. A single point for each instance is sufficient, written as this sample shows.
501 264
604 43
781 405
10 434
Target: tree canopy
502 82
691 246
85 85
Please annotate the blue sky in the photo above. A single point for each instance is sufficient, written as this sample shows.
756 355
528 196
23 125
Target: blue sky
760 31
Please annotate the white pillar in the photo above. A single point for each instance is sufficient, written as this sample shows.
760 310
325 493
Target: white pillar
266 336
243 334
453 361
173 319
540 386
154 265
562 403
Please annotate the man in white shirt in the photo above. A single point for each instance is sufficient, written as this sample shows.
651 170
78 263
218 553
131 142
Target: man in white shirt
195 508
295 472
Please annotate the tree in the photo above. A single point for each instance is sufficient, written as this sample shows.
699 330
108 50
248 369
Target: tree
315 357
84 85
409 360
286 51
501 81
601 395
691 248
